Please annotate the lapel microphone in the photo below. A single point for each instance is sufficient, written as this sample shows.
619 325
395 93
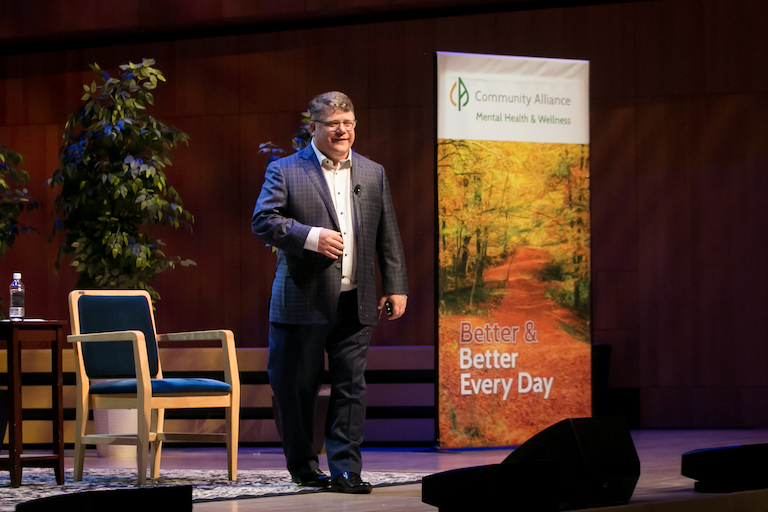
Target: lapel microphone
357 189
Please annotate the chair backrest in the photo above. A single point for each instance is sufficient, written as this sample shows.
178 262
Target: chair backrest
94 311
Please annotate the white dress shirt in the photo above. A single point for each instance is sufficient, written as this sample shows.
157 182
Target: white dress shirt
339 183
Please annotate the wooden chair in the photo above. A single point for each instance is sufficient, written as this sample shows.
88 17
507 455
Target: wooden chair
115 338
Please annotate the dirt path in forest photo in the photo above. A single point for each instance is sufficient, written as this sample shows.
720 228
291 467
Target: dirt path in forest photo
545 351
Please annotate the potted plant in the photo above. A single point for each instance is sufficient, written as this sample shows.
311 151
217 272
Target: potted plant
111 183
13 201
301 139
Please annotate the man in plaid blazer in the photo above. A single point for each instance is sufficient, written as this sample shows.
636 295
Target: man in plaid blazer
329 212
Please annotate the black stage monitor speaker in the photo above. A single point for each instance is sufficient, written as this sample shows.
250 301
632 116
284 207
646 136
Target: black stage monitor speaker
145 499
597 454
576 463
530 487
727 469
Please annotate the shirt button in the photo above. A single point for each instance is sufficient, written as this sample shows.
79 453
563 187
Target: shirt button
338 265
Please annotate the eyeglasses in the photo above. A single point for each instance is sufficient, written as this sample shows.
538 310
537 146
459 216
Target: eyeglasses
334 125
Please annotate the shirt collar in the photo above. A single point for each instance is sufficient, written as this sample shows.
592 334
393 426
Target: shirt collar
327 163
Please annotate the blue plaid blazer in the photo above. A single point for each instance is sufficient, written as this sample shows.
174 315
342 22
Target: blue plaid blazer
294 198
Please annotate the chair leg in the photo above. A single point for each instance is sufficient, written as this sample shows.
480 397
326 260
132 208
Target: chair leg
142 446
79 460
232 415
158 421
81 416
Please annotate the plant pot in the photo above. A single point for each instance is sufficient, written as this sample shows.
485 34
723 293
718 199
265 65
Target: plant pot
115 421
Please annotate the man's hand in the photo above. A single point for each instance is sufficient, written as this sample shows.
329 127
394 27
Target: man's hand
398 305
330 243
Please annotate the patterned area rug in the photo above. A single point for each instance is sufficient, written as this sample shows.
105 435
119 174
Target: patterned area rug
209 485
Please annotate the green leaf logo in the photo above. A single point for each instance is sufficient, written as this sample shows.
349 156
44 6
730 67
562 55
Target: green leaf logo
463 98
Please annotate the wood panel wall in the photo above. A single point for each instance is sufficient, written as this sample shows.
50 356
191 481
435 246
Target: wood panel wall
679 161
400 408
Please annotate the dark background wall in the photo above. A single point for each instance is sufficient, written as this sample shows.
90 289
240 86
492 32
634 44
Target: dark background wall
678 143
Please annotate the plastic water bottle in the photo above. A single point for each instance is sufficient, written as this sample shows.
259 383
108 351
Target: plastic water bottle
16 305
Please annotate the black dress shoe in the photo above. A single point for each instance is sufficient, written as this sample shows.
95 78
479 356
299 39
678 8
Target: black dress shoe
314 478
350 483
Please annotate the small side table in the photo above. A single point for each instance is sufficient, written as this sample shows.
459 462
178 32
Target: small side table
15 334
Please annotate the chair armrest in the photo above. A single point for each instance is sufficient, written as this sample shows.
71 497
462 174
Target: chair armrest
216 334
227 339
140 360
105 336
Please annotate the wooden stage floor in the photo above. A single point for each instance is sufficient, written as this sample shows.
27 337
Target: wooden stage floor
661 488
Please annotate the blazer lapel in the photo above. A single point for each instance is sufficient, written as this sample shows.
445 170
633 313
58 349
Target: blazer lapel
355 180
356 184
315 173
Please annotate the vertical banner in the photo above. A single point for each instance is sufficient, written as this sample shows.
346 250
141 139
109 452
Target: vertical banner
514 343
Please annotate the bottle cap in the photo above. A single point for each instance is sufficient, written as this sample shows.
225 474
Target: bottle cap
17 275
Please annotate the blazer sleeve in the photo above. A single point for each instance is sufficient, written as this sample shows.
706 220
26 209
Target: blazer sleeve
389 247
270 221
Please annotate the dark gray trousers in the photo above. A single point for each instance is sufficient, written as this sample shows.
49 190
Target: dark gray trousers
295 366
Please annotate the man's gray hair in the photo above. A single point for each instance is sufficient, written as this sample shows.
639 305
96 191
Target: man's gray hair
333 100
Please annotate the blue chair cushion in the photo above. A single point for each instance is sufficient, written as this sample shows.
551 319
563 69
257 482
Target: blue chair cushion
162 386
